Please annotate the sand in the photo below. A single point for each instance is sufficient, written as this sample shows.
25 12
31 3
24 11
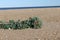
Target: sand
50 29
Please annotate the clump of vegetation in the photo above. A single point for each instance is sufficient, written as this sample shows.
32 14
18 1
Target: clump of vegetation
32 22
35 22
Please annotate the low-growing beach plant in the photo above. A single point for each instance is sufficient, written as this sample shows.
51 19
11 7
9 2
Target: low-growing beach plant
32 22
12 24
35 22
6 26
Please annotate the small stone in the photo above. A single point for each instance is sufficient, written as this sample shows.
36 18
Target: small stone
55 33
2 30
9 29
38 39
1 38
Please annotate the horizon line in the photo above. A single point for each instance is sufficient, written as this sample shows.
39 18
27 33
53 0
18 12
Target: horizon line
9 8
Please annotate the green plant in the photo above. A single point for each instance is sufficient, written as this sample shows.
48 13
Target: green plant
17 24
35 22
32 22
12 24
1 24
6 26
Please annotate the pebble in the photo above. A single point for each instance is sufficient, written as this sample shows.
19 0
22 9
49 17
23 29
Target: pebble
9 29
38 39
1 38
54 33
